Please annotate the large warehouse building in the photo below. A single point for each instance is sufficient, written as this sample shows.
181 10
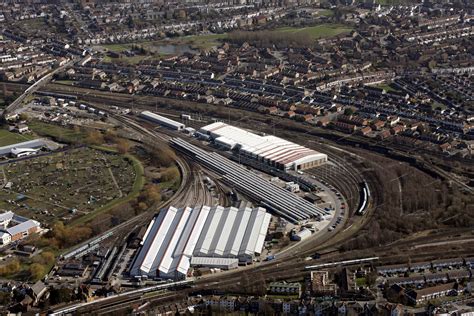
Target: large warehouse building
207 234
283 202
161 120
271 150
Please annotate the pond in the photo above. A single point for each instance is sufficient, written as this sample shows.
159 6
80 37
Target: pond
171 49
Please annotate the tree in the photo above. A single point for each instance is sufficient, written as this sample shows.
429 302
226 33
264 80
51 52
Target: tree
163 156
62 295
123 146
5 298
46 258
348 111
95 138
142 206
371 278
152 194
171 173
10 268
23 117
37 271
110 136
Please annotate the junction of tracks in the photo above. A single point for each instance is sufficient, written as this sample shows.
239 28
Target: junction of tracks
345 172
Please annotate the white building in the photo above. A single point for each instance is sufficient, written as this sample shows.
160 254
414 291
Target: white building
302 234
292 187
23 152
175 236
5 238
268 149
161 120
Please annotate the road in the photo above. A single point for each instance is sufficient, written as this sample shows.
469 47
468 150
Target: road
35 87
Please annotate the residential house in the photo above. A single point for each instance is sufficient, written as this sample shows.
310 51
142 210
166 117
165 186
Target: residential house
284 288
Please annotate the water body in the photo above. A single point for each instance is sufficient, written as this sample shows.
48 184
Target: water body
171 49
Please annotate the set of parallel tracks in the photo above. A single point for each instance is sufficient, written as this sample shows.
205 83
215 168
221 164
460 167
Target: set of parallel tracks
276 269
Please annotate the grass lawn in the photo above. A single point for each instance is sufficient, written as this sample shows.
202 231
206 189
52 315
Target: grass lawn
361 282
9 138
318 31
201 42
58 133
387 88
435 105
326 12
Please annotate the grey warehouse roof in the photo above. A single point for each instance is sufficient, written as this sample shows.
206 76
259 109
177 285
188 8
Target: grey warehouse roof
269 195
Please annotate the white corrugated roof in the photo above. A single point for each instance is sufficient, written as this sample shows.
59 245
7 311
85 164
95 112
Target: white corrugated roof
269 147
209 230
174 235
213 261
7 216
152 245
252 232
263 233
166 264
238 231
225 235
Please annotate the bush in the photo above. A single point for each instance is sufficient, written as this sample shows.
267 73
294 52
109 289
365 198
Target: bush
45 258
123 146
163 156
64 237
95 138
37 271
10 268
169 174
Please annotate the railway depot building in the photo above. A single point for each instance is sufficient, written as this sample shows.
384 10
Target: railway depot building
161 120
178 239
271 150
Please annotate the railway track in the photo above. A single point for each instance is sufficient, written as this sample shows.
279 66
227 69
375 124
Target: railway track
290 268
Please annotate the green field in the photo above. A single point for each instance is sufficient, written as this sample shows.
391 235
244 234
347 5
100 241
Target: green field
202 41
326 12
316 32
387 88
9 138
198 42
58 133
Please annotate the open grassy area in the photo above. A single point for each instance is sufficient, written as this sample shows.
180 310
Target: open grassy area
387 88
165 47
33 24
202 41
9 138
326 12
318 31
48 188
361 282
58 133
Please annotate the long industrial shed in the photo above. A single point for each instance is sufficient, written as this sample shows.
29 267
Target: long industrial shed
271 150
175 236
269 195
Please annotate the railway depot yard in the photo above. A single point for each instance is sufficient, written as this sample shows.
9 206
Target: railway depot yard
65 184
